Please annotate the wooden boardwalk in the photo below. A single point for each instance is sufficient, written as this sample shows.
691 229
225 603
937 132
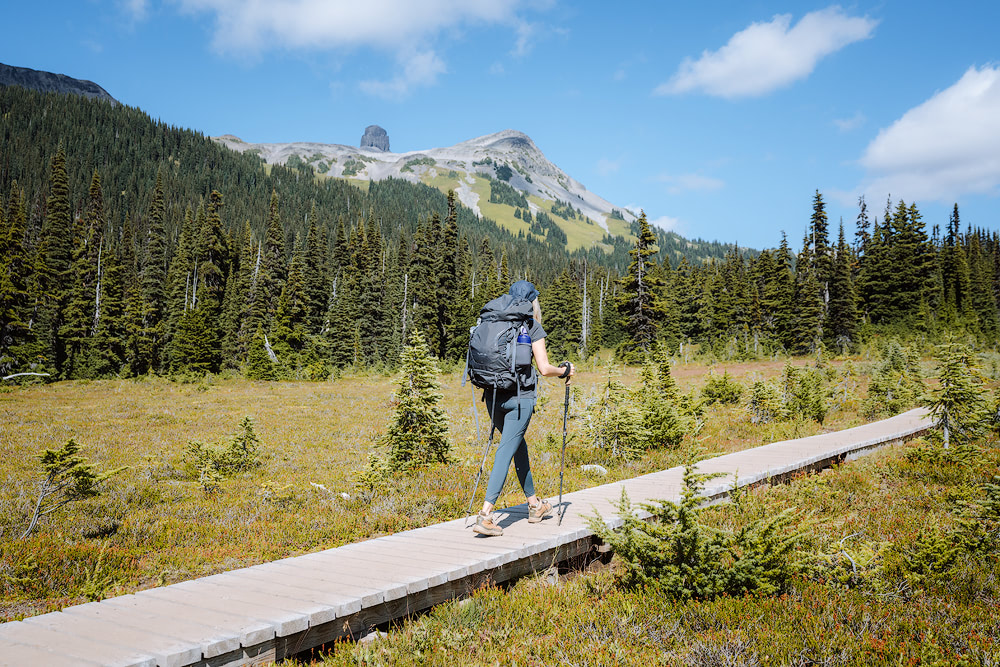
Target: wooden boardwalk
268 612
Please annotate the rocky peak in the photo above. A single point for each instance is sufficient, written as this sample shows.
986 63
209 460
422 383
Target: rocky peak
375 137
47 82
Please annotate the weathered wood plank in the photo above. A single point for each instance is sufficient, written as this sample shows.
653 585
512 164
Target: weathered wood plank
244 630
279 620
210 639
17 653
169 651
100 650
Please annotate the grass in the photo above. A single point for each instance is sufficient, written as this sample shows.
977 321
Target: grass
155 525
856 601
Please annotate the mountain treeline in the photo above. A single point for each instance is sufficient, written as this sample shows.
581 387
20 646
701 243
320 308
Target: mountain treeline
892 277
131 247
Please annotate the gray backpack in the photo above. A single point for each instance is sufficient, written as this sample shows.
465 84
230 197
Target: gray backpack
491 359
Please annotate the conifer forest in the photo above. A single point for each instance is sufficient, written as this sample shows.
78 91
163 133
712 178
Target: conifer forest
130 247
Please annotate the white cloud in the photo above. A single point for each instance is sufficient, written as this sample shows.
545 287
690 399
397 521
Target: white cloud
852 123
417 69
405 28
767 56
943 148
261 25
690 183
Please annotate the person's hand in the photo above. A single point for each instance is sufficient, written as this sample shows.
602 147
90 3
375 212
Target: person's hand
568 371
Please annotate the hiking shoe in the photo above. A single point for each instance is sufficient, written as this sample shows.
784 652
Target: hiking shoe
538 512
486 525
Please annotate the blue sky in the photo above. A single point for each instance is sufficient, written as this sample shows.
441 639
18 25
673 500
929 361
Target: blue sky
719 119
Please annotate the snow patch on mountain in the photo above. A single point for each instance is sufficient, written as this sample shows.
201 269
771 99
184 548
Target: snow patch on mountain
530 171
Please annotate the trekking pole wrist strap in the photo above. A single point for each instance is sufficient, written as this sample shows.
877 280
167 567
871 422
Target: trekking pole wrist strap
567 366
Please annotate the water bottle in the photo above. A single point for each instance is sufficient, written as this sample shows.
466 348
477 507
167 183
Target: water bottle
522 354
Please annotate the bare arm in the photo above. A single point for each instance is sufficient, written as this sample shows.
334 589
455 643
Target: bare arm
542 361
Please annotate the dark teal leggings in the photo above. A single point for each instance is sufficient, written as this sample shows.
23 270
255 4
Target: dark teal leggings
512 424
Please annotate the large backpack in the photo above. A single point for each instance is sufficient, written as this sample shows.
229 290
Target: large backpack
490 362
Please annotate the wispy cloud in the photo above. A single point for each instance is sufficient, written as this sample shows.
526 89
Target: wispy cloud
852 123
405 28
136 10
417 70
526 33
262 25
680 183
943 148
767 56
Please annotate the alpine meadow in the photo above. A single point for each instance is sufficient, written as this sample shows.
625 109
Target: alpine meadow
211 361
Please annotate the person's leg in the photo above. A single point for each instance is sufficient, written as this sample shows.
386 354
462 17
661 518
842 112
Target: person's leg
512 426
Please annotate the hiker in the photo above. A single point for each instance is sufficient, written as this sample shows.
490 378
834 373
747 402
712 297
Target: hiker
511 411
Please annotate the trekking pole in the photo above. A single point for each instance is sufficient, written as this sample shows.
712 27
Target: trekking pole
486 451
562 463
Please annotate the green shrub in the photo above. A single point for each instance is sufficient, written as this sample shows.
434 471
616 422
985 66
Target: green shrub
615 421
665 417
66 478
896 383
675 553
765 403
803 394
722 389
211 463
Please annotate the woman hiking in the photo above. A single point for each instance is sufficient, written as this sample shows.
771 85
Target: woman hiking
510 410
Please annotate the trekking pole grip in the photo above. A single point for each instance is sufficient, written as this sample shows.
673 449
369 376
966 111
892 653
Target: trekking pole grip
568 366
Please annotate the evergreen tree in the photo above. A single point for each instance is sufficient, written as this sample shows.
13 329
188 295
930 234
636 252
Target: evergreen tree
807 322
640 312
259 365
82 312
153 279
560 305
15 268
51 271
957 405
179 278
842 314
984 302
821 253
955 281
418 434
292 318
462 312
212 259
117 282
315 274
862 233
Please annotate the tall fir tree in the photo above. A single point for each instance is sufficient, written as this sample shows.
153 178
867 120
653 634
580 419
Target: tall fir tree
807 322
842 313
561 315
15 272
51 272
639 309
82 312
153 278
821 254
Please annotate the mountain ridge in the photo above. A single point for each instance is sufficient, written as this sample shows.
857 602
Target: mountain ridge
471 168
49 82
